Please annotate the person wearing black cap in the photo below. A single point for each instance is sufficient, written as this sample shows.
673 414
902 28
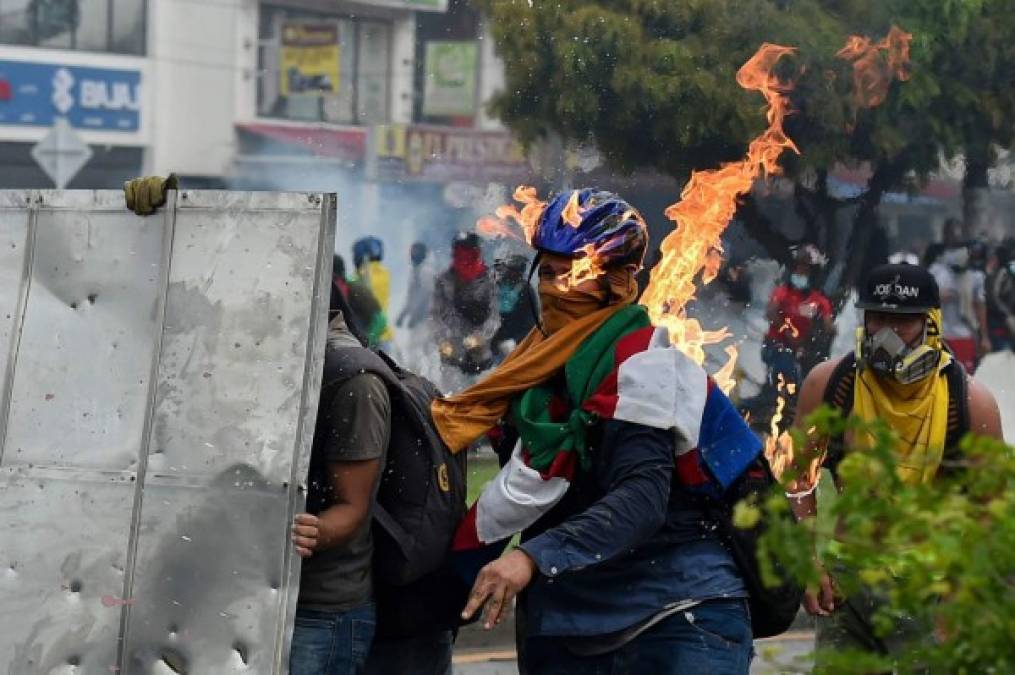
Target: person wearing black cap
903 374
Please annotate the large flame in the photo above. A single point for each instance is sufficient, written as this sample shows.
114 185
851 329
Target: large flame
706 206
876 64
528 217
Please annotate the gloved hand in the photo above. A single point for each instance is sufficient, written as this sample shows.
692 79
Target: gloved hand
144 195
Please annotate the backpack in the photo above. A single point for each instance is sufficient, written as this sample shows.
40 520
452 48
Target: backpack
839 395
772 608
420 502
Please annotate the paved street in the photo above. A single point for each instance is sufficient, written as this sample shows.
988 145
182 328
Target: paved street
787 653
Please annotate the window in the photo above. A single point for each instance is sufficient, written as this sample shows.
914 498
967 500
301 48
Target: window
89 25
322 67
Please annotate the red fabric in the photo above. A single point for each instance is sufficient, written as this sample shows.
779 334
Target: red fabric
802 309
467 263
964 350
342 286
467 536
689 469
564 465
604 401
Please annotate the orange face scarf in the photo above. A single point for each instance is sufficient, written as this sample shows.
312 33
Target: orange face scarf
569 317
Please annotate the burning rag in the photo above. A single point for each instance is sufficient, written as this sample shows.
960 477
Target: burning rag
917 412
628 371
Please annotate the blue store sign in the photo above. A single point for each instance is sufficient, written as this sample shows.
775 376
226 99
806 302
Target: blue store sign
90 98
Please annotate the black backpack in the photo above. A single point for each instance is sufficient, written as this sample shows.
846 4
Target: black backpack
772 608
420 502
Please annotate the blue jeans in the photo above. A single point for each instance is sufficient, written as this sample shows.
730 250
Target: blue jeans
713 638
332 643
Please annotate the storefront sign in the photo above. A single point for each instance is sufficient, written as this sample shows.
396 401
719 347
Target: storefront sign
36 94
450 78
418 5
309 58
443 154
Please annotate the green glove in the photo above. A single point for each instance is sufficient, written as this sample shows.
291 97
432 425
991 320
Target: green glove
144 195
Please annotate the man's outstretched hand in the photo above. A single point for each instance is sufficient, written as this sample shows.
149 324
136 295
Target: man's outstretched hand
497 584
144 195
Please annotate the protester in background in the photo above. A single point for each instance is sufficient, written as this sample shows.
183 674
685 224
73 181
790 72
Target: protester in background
798 314
464 314
365 312
904 377
419 294
951 238
367 256
517 316
963 304
1001 297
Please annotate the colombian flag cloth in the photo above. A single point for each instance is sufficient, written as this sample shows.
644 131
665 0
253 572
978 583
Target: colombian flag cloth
627 370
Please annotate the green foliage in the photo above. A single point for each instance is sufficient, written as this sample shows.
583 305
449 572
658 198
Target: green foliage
942 553
652 81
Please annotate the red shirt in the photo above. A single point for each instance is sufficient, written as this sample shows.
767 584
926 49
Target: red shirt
797 310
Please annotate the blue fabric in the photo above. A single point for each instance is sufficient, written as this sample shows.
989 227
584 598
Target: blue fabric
332 643
628 542
727 444
781 360
713 638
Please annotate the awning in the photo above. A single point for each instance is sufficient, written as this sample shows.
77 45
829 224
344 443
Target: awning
344 143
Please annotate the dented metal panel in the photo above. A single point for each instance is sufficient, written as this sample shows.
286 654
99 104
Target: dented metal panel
160 381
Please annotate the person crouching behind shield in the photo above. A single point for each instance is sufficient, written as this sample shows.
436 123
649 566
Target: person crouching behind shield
617 561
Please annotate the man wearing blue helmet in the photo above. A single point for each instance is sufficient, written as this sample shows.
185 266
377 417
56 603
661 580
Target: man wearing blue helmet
619 565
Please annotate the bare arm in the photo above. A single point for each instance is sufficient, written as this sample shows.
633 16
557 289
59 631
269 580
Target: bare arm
353 483
819 601
984 416
812 393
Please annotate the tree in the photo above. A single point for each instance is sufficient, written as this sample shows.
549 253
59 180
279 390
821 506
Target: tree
651 83
942 554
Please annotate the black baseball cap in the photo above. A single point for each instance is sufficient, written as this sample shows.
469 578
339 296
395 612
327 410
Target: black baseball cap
899 289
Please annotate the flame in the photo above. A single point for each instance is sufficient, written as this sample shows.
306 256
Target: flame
787 325
585 267
778 444
706 206
494 227
528 217
572 212
875 65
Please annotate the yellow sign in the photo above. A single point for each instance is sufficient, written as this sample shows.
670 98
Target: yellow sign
309 58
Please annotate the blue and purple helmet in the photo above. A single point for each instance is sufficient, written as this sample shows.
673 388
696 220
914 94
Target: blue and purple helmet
614 228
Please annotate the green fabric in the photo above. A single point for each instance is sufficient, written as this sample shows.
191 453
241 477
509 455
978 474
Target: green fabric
375 331
583 373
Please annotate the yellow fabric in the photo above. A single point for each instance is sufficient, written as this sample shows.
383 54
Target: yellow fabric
378 279
917 412
145 195
569 317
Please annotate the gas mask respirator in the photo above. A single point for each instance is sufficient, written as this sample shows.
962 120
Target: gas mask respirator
889 356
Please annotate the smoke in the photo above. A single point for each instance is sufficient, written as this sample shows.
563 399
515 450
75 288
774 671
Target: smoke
399 213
